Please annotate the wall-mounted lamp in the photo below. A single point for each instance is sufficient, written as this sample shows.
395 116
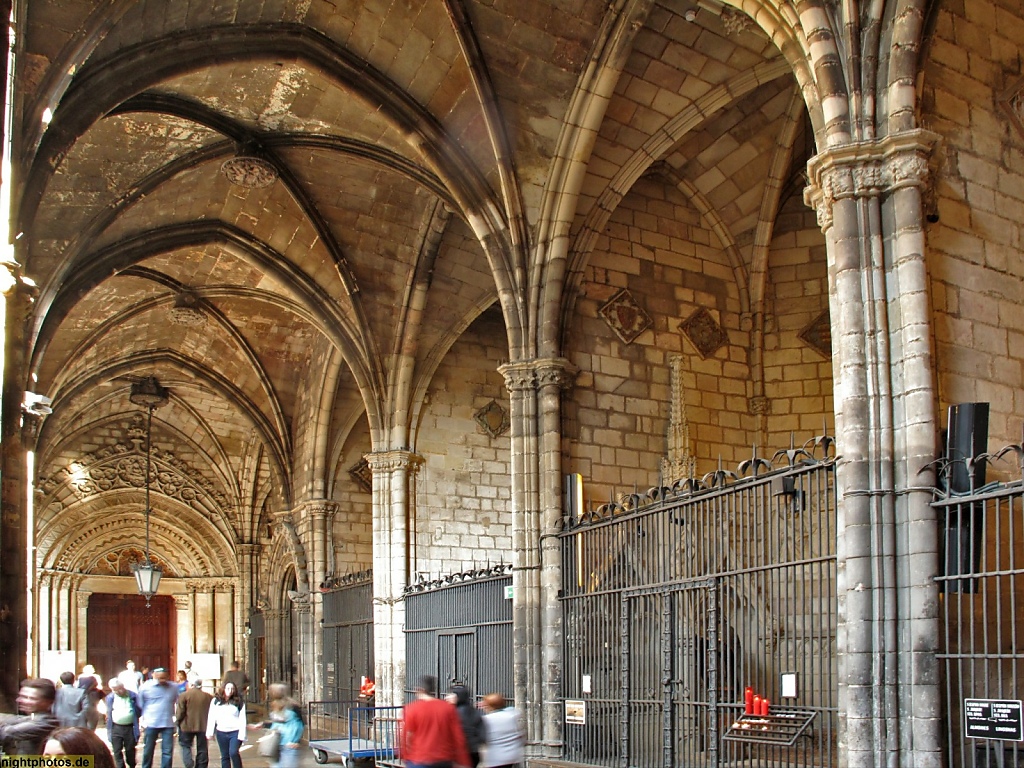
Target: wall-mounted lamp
785 486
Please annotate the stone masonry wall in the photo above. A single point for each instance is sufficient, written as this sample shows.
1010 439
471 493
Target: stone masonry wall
657 249
464 488
974 249
798 376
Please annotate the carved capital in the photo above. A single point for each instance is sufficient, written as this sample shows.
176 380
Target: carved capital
321 508
391 461
528 375
9 271
82 598
759 404
866 169
248 550
182 602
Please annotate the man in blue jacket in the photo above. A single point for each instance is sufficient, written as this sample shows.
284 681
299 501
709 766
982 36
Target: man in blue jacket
158 698
123 712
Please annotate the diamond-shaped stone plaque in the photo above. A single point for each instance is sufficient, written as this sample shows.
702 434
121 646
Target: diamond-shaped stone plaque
362 474
704 333
818 335
1012 104
493 419
624 316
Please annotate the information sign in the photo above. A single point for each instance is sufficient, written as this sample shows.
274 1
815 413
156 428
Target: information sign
993 719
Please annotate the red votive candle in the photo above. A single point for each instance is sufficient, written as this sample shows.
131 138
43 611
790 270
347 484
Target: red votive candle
748 701
756 705
764 706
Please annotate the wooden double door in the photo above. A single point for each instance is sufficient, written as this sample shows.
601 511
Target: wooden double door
121 627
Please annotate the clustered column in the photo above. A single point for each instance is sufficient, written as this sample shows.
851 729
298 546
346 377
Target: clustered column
868 198
535 388
394 505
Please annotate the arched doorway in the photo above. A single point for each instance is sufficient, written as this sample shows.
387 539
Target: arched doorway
121 627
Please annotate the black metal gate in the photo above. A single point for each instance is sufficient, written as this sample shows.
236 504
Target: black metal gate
348 637
675 602
459 629
982 641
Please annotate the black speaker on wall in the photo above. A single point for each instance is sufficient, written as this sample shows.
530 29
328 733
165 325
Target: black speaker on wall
966 438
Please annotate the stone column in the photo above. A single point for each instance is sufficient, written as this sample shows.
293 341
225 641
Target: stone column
14 523
183 626
321 514
868 198
273 621
535 390
248 555
82 635
394 505
223 597
43 615
203 621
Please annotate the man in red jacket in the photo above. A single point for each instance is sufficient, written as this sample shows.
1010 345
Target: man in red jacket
431 732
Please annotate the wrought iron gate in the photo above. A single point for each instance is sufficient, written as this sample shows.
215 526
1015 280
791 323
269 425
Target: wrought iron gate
459 629
348 636
676 601
982 639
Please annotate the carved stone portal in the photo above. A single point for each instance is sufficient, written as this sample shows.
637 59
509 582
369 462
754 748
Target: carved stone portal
704 333
625 316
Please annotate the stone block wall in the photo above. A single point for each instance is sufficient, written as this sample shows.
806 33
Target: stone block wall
464 488
972 96
797 372
656 248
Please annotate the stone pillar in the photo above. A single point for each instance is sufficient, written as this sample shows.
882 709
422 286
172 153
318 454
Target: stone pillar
82 635
14 523
248 555
183 626
223 597
43 615
868 198
273 621
203 620
321 514
394 505
535 391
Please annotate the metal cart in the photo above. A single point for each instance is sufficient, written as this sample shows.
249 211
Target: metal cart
354 733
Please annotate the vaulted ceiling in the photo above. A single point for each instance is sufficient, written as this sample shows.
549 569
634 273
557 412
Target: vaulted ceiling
292 207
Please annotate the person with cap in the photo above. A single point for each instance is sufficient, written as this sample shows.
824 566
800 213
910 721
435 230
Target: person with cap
122 722
158 698
192 714
26 734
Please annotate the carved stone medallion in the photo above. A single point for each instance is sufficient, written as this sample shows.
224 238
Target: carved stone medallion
493 419
704 333
625 316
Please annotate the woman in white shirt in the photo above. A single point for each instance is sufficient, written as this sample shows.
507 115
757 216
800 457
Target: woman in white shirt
227 722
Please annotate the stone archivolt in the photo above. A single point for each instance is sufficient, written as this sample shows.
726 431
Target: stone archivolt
122 466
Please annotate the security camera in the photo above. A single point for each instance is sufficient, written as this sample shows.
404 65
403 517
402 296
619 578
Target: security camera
37 405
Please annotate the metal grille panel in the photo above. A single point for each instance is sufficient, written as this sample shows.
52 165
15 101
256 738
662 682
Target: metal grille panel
671 610
347 639
982 656
461 631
